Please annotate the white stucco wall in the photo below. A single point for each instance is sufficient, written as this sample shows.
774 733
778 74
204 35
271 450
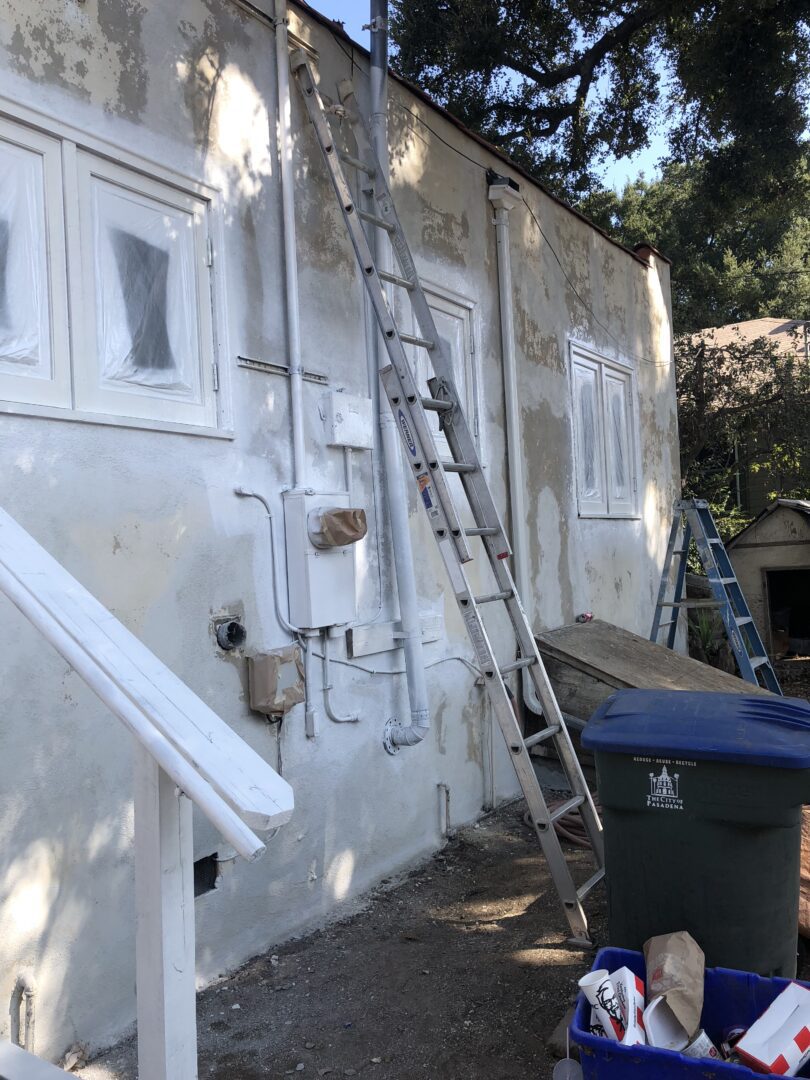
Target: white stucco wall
148 521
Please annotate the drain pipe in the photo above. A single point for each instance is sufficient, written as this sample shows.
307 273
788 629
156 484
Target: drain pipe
290 246
396 734
24 992
504 194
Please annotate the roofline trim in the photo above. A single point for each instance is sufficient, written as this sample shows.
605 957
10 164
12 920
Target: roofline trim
418 92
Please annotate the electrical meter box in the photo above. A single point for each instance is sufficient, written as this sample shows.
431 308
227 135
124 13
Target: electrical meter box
321 580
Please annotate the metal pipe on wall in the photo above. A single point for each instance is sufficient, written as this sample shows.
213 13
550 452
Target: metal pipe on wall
290 246
504 197
398 734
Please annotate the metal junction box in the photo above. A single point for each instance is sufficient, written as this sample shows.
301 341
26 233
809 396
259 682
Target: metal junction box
321 581
349 420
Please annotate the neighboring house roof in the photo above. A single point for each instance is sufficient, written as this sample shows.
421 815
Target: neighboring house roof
338 30
787 334
801 506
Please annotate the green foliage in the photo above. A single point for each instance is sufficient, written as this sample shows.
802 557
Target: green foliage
736 256
741 406
563 84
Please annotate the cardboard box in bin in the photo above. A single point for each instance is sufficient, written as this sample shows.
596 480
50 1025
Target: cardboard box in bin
779 1041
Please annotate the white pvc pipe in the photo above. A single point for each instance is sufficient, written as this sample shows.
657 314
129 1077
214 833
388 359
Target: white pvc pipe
26 988
285 147
503 198
401 734
334 716
218 812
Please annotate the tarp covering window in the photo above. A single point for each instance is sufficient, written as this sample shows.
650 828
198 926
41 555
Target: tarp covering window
146 300
24 302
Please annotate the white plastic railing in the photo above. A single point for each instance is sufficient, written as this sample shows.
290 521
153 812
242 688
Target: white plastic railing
185 752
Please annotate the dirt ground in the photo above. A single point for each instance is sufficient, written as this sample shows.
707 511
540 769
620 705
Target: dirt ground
458 970
794 676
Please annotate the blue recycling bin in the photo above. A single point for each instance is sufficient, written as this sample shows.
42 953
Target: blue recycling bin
730 999
702 799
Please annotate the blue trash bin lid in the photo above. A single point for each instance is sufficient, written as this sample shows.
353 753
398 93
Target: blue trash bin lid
758 730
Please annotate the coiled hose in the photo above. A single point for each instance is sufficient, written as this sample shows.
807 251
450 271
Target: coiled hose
570 826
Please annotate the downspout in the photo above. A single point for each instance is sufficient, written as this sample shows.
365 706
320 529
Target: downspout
397 734
504 194
290 245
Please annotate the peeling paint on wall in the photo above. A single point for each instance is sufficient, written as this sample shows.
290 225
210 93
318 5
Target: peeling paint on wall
94 50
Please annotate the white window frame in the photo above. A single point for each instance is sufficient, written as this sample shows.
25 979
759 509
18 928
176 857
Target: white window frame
27 389
134 400
448 302
70 140
607 505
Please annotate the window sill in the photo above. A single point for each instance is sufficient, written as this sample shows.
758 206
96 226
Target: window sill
50 412
609 517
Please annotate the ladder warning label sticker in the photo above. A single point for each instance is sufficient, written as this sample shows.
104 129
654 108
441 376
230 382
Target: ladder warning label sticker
423 483
410 442
478 639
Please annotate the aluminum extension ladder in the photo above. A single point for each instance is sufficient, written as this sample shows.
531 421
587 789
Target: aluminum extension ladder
410 406
693 521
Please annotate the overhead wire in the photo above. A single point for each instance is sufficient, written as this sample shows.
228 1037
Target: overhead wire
552 249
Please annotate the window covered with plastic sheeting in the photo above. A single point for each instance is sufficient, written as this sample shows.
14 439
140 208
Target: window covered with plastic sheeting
590 469
32 280
620 467
147 317
604 434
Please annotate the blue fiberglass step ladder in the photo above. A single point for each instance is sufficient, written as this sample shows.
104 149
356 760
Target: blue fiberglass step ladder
410 406
693 521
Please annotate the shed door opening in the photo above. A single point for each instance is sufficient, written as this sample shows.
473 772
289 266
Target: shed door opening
789 611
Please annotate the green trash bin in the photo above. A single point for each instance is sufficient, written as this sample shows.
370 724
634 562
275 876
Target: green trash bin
702 799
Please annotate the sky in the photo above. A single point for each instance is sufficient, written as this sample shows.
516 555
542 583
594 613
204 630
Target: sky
354 13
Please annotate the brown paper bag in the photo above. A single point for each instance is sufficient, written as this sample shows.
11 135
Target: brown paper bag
675 967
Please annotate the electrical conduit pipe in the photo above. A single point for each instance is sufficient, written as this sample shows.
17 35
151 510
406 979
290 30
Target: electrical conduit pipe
397 734
290 245
504 198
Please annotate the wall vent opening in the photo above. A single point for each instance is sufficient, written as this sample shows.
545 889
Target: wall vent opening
206 871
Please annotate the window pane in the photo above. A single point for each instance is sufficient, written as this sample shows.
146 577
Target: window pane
25 347
146 298
619 465
588 434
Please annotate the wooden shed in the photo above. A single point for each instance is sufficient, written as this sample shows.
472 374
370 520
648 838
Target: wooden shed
771 558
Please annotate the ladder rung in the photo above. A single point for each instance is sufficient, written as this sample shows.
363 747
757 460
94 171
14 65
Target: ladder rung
516 665
489 598
758 661
489 530
541 736
459 466
381 223
435 404
419 342
671 622
566 808
356 163
395 279
743 620
715 540
583 890
728 580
